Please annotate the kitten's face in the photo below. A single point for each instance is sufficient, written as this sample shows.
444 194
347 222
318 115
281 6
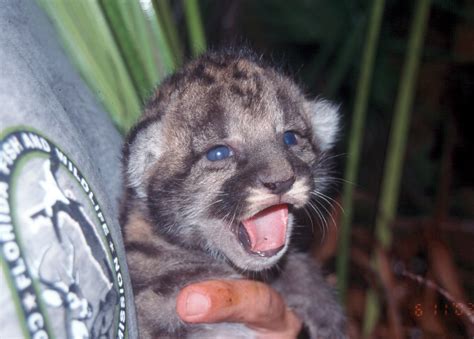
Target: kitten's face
224 154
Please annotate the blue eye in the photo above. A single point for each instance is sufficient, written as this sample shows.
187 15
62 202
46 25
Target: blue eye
218 153
290 138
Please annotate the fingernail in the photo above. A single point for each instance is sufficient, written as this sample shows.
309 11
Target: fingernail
196 304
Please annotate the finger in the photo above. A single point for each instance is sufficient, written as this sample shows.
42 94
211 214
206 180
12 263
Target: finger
250 302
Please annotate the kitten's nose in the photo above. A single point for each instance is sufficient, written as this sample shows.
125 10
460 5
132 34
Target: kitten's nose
279 187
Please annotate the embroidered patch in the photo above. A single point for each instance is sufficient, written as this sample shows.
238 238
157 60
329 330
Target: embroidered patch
57 253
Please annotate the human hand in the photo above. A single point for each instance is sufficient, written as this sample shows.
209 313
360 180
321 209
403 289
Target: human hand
252 303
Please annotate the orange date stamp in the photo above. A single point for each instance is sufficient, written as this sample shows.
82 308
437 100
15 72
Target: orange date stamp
446 309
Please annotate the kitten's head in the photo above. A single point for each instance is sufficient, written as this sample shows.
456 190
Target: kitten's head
225 151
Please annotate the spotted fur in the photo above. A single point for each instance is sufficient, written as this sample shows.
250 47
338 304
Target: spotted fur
180 211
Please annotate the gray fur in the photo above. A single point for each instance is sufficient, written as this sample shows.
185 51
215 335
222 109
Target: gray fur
181 212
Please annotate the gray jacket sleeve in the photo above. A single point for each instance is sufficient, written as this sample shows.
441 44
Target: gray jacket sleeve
64 272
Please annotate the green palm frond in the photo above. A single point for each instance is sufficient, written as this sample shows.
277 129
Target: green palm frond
123 49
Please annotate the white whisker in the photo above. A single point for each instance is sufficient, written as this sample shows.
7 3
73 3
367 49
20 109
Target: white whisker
327 211
310 220
321 218
325 197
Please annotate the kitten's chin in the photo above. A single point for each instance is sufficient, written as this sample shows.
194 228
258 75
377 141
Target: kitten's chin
245 261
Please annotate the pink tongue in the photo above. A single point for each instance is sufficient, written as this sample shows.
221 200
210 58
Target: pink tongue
267 229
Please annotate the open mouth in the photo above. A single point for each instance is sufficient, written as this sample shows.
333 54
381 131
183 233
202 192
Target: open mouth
264 234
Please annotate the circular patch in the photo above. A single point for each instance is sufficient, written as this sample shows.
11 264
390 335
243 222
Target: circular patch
57 254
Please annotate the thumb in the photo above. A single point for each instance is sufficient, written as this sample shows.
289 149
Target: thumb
252 303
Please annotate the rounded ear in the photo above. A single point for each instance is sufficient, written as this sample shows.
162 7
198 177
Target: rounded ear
325 123
145 146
